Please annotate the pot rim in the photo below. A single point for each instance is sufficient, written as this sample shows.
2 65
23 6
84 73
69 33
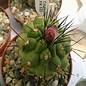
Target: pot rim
8 35
71 68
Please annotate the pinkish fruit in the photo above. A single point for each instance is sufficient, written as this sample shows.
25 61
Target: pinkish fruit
50 33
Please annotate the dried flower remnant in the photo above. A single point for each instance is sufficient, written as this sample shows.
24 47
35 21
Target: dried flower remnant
50 33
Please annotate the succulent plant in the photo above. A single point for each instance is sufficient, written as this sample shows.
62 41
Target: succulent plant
44 48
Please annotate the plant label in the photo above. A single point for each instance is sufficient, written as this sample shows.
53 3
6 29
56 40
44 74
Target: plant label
42 6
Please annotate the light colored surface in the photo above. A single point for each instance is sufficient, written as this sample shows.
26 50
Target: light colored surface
80 47
81 82
78 69
70 7
76 9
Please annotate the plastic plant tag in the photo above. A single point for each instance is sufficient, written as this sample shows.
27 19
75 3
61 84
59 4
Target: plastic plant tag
42 6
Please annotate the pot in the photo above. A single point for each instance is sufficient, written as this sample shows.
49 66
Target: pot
29 13
5 42
21 16
3 60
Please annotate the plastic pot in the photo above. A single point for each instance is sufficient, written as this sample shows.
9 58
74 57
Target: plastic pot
3 60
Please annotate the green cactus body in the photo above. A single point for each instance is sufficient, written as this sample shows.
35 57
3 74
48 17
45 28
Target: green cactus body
67 47
34 33
43 69
38 22
63 46
41 28
30 46
64 63
28 26
34 56
22 56
60 50
66 44
41 45
55 60
21 42
33 28
66 38
45 53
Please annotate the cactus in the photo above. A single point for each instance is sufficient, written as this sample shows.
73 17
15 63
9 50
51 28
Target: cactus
46 48
64 63
55 60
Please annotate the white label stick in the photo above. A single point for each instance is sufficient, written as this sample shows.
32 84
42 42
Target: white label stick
41 6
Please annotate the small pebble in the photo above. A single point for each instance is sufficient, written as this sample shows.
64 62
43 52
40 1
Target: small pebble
18 66
8 61
28 84
26 13
4 69
8 79
32 17
11 74
7 21
12 62
16 74
1 39
66 81
10 48
14 9
22 70
55 83
18 61
8 66
11 84
19 83
14 81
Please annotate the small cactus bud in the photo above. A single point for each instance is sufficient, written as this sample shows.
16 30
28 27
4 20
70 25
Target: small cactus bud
50 33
